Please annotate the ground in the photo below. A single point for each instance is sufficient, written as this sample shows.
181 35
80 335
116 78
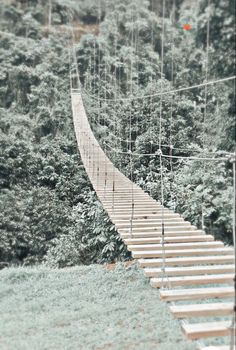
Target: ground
88 307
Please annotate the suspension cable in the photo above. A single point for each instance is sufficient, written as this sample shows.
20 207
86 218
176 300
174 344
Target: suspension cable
171 106
164 275
171 146
205 109
130 128
232 333
99 171
192 87
116 126
156 154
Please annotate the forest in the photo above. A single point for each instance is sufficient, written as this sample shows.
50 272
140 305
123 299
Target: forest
49 212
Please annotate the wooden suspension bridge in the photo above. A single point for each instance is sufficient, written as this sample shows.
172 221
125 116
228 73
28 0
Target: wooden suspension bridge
186 263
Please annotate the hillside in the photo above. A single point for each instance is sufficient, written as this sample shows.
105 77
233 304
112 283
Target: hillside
84 308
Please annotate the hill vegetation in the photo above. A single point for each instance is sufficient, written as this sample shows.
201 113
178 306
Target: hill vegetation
86 307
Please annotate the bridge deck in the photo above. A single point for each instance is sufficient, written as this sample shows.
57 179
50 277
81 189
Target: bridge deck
139 224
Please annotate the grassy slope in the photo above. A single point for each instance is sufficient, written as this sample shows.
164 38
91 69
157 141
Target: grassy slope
85 307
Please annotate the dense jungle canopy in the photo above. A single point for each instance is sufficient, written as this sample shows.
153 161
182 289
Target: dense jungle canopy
48 209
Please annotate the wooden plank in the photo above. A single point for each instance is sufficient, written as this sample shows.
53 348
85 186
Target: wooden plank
149 208
216 347
157 229
191 280
127 234
128 205
168 214
136 194
182 253
196 293
169 239
168 229
123 207
189 270
143 215
173 246
187 261
200 310
153 222
127 200
117 197
207 329
168 221
123 191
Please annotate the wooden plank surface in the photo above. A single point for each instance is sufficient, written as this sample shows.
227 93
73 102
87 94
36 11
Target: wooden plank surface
196 293
207 329
216 347
182 252
191 280
190 270
176 246
191 255
200 310
169 239
187 261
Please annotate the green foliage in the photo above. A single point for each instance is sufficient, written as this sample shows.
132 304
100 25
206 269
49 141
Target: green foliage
198 189
29 221
92 240
122 65
48 209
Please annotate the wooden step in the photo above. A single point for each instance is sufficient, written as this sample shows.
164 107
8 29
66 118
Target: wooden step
190 270
125 201
187 261
169 239
129 207
146 206
144 218
196 293
167 215
200 310
191 280
182 252
128 200
141 215
208 329
136 197
173 246
128 194
159 229
157 224
153 221
139 205
124 192
216 347
148 210
127 234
